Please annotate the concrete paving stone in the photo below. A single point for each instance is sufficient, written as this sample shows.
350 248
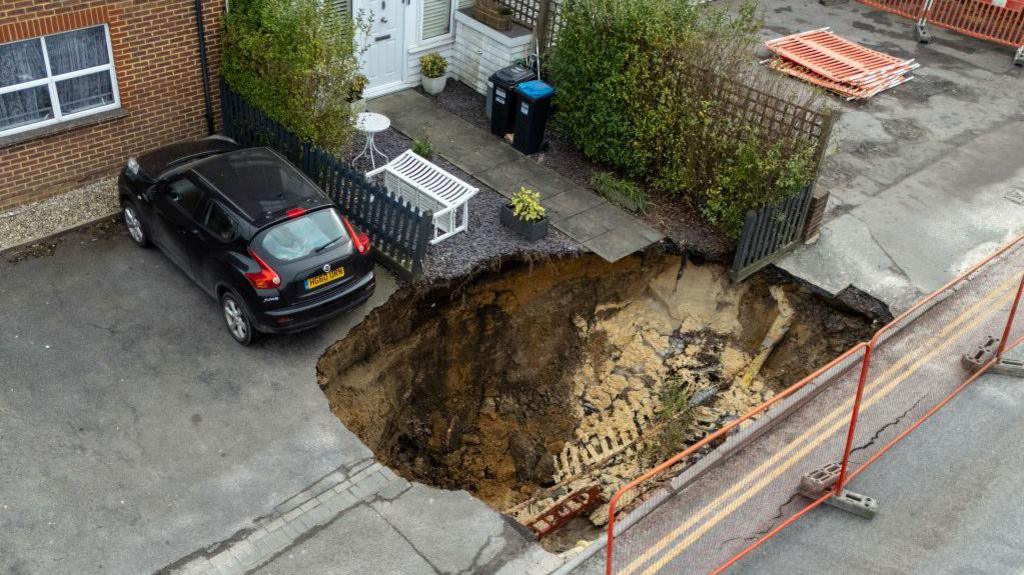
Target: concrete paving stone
360 542
506 179
292 514
583 226
245 553
341 502
364 472
319 515
359 466
303 522
293 530
199 566
307 506
365 489
448 527
535 561
388 473
615 244
394 488
273 543
273 525
570 202
225 561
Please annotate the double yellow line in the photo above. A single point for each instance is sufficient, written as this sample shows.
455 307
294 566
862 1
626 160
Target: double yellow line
771 469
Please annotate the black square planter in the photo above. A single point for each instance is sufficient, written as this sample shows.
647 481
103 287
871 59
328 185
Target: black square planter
532 231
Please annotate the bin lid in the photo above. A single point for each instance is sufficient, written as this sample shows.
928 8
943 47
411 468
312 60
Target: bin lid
535 89
512 75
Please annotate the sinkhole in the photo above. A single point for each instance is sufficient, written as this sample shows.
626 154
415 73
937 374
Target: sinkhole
525 383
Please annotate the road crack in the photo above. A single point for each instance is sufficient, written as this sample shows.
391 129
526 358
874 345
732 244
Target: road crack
880 430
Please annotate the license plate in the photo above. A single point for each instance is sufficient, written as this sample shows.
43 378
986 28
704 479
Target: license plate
317 281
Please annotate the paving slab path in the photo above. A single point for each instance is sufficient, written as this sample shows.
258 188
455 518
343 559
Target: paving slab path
603 228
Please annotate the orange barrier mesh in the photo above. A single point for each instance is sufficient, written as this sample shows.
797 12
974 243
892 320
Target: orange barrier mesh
981 19
846 412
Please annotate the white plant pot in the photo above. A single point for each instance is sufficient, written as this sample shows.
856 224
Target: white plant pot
434 86
359 106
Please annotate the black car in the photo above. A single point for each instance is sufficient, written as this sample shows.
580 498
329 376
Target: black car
252 230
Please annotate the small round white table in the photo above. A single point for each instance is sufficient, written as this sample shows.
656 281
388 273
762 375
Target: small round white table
371 124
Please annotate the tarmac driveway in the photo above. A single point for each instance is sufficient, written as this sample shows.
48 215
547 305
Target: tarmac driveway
132 428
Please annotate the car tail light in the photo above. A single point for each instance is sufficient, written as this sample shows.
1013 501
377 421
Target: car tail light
360 240
266 278
294 212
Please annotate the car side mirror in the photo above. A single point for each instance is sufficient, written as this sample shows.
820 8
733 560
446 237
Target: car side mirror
134 171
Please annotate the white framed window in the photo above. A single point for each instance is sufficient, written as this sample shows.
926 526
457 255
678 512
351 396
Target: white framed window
56 78
436 20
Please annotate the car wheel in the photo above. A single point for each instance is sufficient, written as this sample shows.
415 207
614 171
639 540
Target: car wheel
237 320
133 222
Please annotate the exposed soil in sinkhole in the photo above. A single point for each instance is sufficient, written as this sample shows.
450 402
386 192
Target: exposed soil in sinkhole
524 384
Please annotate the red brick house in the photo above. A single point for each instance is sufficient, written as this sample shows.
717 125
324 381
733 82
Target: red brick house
86 83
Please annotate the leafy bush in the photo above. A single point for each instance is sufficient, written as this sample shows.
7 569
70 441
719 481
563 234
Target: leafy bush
622 192
423 148
433 65
296 61
641 90
526 205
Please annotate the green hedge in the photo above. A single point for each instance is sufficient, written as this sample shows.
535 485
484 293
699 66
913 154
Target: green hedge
296 61
637 91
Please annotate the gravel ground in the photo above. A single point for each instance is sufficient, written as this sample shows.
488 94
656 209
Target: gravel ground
46 217
672 217
486 242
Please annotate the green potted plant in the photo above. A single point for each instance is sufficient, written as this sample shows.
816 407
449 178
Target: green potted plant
355 93
525 215
432 72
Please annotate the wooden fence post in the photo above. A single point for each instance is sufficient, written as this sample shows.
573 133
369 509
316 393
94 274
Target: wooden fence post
540 30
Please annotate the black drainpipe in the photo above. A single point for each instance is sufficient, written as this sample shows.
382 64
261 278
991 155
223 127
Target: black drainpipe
206 69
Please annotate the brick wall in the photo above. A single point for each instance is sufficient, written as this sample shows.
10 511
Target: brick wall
156 59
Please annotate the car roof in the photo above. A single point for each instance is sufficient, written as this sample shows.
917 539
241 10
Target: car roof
167 158
260 184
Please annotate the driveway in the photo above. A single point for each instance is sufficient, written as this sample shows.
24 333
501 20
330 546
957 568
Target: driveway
136 437
132 428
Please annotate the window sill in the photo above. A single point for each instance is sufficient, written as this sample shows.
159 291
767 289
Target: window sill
62 127
432 44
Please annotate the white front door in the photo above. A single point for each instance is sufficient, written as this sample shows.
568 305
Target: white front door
384 60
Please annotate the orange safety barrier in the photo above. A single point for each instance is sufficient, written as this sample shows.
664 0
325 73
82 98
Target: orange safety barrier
998 21
837 64
908 8
1002 24
881 376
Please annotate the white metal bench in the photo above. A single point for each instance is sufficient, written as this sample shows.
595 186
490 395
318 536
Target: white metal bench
428 187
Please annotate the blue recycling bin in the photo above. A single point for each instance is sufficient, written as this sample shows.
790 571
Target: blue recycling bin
532 115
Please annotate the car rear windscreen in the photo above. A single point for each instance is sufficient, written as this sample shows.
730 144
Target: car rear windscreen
299 237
